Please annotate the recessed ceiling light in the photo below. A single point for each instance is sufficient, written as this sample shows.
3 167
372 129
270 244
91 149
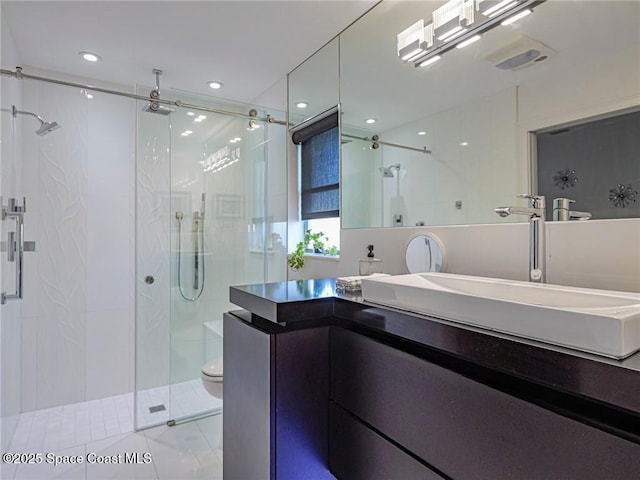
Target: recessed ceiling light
464 144
215 85
191 114
370 120
89 56
302 104
422 133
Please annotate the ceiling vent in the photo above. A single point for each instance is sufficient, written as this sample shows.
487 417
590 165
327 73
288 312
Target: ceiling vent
520 53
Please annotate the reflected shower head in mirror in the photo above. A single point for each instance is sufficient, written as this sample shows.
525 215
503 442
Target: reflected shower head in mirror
387 172
45 127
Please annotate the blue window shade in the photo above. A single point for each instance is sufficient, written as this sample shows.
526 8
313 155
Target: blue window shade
320 175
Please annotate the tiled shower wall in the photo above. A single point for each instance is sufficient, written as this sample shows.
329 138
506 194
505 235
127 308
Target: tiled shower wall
77 312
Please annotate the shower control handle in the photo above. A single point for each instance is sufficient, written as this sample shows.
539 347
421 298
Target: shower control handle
15 245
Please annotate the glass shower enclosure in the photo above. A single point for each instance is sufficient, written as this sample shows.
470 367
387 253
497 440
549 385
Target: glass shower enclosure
211 211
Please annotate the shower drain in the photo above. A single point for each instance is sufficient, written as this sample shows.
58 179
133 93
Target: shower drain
157 408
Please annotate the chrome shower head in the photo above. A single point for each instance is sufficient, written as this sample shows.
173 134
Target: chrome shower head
387 171
47 127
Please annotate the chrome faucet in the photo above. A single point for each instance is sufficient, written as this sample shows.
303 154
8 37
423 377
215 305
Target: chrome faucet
536 214
562 211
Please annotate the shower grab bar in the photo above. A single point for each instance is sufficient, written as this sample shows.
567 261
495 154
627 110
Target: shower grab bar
15 245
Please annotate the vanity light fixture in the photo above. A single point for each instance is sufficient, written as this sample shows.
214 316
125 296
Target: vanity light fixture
90 56
215 84
429 61
413 41
491 8
516 17
457 23
469 41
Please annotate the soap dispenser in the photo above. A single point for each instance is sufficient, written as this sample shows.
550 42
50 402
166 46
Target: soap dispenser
371 264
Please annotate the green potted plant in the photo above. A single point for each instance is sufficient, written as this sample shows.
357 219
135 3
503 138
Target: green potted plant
311 243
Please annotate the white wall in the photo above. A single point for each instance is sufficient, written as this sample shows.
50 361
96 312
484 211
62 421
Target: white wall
77 312
473 150
602 254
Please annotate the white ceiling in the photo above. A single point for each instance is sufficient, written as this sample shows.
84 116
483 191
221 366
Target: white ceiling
247 45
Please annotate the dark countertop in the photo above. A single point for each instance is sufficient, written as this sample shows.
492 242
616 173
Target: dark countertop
613 382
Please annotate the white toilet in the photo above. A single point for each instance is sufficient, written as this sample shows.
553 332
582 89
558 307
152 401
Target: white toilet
212 377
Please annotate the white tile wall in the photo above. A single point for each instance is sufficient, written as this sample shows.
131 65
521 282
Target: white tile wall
77 314
601 254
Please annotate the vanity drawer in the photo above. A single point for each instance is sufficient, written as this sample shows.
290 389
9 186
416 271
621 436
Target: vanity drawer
465 429
351 441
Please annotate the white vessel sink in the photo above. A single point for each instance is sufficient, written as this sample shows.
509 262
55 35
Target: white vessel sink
595 321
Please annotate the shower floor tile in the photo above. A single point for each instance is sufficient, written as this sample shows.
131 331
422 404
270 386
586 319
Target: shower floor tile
104 428
186 451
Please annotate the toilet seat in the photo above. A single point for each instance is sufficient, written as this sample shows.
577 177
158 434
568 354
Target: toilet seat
213 369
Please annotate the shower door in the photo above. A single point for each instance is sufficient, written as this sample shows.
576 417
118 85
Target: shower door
211 212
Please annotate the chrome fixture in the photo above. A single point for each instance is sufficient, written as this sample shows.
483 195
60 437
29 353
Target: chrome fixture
154 105
197 233
457 23
536 214
387 171
20 75
376 142
562 212
45 127
16 246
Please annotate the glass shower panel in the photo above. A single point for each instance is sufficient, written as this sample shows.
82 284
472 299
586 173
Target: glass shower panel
220 221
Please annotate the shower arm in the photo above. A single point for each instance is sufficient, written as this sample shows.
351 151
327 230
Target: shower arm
15 112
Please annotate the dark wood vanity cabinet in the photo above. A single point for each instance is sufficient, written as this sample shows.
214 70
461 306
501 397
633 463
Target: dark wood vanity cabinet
394 415
324 388
276 389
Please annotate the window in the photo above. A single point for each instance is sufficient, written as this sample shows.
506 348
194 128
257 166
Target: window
319 152
318 141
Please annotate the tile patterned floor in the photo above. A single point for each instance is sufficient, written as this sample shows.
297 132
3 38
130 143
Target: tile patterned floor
103 429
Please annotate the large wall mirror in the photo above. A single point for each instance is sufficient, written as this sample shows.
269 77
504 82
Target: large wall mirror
452 140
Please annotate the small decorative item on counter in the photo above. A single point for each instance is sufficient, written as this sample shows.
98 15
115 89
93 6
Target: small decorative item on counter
353 284
371 264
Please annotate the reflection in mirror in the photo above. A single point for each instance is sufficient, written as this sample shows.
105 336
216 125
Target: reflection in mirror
595 165
313 85
425 253
473 115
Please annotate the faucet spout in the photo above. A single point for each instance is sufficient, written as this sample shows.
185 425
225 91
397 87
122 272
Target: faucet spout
536 214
